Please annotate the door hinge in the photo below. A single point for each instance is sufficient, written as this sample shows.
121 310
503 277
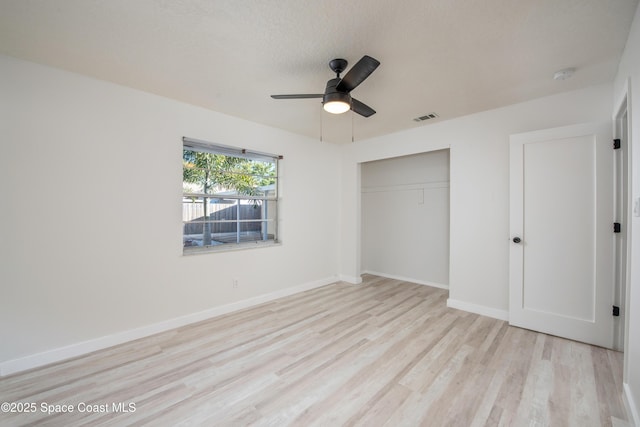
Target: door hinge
616 311
616 144
617 227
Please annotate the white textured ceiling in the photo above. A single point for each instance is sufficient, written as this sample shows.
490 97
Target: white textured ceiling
452 57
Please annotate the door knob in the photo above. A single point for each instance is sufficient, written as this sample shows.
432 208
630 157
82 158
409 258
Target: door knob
516 240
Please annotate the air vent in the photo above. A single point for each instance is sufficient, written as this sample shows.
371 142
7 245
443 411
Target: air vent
425 117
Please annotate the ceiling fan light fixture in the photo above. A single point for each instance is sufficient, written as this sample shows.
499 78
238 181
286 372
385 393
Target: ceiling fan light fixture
336 102
336 107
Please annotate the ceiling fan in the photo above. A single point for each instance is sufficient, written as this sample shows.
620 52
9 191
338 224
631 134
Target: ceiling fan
336 98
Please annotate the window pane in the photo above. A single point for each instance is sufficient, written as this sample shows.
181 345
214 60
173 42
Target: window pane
208 173
236 212
213 221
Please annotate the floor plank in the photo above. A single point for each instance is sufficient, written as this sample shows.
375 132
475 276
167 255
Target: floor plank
385 352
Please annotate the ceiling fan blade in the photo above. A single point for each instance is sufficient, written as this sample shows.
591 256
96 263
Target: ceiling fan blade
357 74
362 109
300 96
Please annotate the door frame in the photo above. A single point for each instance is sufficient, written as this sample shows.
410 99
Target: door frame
621 123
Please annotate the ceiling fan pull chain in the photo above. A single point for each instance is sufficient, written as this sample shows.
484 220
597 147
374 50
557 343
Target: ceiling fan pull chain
352 137
321 128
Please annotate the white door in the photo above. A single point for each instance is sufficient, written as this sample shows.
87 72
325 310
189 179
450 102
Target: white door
561 257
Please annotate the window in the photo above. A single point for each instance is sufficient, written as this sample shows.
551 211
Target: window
230 197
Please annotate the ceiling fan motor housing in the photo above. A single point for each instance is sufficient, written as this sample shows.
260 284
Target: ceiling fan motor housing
331 94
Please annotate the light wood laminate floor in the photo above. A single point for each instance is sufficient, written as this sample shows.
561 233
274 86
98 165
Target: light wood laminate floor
384 353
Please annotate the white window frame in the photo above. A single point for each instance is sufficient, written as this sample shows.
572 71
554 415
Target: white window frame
269 226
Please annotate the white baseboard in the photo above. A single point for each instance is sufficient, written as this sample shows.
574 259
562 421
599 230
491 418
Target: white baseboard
74 350
354 280
406 279
630 405
478 309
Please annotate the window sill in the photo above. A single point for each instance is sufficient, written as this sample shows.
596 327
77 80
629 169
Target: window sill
229 247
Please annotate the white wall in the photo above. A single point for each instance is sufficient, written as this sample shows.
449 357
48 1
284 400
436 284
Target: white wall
628 82
479 180
91 243
405 217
